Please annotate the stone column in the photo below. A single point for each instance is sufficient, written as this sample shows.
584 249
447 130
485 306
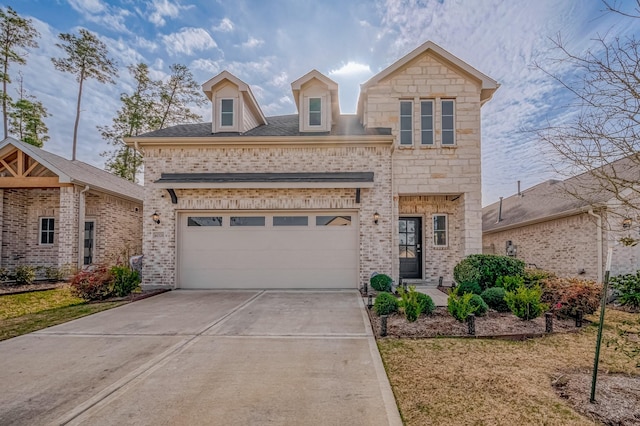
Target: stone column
67 227
471 228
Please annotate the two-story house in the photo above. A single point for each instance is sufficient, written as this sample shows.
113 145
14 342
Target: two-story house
320 199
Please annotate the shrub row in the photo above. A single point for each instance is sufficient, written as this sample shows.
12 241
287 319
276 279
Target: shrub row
25 274
101 282
412 303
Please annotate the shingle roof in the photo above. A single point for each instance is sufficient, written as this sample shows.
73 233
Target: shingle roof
79 172
282 125
554 198
267 177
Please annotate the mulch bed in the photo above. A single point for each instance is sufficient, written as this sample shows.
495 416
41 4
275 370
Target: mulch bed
441 324
12 288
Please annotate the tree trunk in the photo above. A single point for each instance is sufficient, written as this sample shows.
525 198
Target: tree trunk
75 126
4 98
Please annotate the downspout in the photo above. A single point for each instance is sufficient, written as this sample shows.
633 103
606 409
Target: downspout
598 242
81 214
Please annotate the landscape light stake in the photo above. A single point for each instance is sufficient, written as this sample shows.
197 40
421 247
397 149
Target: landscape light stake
370 301
548 322
592 399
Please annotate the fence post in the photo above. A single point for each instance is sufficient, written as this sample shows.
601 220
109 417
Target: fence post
579 317
471 322
383 326
548 322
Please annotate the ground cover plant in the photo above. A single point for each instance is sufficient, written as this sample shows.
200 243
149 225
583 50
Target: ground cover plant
627 288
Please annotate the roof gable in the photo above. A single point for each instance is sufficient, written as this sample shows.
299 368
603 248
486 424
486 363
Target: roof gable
225 76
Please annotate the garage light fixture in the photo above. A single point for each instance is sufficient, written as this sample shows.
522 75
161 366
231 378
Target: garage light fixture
376 218
156 218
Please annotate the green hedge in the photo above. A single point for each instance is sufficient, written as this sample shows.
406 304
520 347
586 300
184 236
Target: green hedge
485 269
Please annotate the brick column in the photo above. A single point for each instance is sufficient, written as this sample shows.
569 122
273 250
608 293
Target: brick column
67 228
471 228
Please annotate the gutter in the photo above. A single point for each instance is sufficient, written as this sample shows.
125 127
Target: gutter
598 242
560 215
315 140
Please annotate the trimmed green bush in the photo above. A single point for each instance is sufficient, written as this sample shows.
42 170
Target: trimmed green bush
510 283
385 304
24 274
409 303
494 298
125 280
628 289
480 308
381 282
459 306
469 287
484 269
525 302
426 304
534 276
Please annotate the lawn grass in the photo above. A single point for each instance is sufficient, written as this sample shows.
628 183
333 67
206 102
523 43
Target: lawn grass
27 312
495 382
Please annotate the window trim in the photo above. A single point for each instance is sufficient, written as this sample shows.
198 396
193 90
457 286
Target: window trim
48 231
422 129
319 112
93 248
445 230
232 113
400 129
442 129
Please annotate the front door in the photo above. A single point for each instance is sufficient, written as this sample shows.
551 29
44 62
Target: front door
89 232
410 247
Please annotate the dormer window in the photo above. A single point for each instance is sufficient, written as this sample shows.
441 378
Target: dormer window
226 113
315 111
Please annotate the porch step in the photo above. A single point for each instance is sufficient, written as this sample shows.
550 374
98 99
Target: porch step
420 283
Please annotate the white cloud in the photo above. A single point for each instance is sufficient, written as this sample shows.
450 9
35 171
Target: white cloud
88 6
252 42
101 13
286 100
225 26
208 65
143 43
280 80
164 8
188 41
351 69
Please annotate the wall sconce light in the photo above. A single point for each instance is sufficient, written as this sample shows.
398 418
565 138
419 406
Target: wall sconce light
156 218
376 218
626 223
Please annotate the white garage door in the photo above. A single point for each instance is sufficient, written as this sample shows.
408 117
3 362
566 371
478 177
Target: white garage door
268 250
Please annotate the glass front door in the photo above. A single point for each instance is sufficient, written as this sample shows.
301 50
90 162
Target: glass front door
410 247
89 234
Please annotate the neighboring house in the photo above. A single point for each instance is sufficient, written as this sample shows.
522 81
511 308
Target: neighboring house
50 207
568 226
320 199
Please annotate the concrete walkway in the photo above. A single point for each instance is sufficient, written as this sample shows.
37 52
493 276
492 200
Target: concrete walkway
438 297
201 358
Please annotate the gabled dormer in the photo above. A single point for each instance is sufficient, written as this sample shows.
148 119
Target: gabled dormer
316 97
233 106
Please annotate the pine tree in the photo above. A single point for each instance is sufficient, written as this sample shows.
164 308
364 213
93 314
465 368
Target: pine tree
176 94
26 119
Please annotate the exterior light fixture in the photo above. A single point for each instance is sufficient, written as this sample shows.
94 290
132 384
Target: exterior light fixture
376 218
156 218
626 223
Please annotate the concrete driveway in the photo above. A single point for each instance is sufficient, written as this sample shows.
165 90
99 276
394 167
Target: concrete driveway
203 357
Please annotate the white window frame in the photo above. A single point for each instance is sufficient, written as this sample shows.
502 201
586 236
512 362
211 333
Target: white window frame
52 231
445 230
453 115
422 127
232 113
400 129
319 98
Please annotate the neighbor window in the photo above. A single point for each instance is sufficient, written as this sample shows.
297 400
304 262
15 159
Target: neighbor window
226 112
448 122
315 111
440 230
47 229
406 122
426 122
247 221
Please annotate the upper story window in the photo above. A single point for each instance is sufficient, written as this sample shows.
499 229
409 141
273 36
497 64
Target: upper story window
440 230
448 122
47 230
406 122
315 111
226 112
426 122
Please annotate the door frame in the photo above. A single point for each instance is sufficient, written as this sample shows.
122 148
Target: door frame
421 234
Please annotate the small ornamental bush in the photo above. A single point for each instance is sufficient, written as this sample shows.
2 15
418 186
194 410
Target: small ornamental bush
510 283
494 298
480 308
484 269
125 280
533 276
94 284
525 302
24 275
460 306
4 274
469 287
628 289
426 304
381 282
385 304
567 296
411 303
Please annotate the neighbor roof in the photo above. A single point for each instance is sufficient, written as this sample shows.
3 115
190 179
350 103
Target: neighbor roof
553 199
283 125
79 173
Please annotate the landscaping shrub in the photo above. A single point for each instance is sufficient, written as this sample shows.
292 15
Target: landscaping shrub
24 274
484 269
469 287
510 283
94 284
411 303
385 304
381 282
53 273
525 302
426 304
628 289
4 274
480 308
125 280
459 306
568 295
494 298
533 276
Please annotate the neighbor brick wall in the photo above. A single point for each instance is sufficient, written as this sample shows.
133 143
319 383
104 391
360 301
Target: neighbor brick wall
159 244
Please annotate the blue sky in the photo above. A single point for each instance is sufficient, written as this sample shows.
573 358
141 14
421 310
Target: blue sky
269 44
